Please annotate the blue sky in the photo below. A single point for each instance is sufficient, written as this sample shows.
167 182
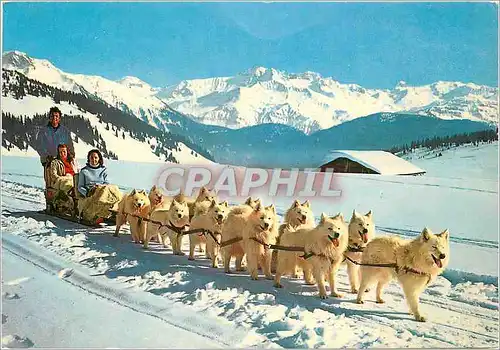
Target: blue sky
371 44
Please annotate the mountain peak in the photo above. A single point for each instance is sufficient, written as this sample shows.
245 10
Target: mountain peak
16 60
401 84
258 71
131 81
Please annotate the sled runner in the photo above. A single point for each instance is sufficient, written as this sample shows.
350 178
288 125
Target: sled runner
100 222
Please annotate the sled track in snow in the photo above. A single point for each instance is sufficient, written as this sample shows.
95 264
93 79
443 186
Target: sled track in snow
413 233
190 322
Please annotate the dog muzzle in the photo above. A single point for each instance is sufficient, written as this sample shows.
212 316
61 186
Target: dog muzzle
364 236
334 239
437 261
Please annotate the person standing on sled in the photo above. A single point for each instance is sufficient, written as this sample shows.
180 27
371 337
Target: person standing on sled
51 136
99 196
48 138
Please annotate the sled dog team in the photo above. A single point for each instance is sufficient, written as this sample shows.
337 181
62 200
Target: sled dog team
320 251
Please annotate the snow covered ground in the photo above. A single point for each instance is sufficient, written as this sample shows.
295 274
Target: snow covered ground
463 162
117 277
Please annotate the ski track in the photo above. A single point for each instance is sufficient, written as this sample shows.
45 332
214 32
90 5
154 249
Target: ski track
460 315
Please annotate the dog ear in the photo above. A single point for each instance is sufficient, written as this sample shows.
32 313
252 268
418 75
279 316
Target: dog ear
354 214
172 204
258 207
225 204
323 218
306 204
179 198
203 190
445 234
296 203
213 204
153 188
133 192
369 214
340 216
248 201
426 234
272 208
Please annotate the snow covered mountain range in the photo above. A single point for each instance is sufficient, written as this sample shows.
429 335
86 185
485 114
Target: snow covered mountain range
305 101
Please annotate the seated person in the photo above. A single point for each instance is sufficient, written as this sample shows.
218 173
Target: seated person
99 195
62 169
92 174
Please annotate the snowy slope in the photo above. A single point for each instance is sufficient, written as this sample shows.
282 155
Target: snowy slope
93 122
128 94
306 101
464 162
126 149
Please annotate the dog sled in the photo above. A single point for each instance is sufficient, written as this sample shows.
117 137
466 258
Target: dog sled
71 206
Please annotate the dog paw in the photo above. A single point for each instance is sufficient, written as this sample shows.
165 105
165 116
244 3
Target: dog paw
310 283
270 277
367 290
241 268
380 301
420 318
255 278
190 258
354 291
323 296
277 285
359 301
336 295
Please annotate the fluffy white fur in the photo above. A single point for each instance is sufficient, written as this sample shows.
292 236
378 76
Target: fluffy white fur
428 254
361 231
327 242
212 220
136 203
298 215
232 228
176 215
261 224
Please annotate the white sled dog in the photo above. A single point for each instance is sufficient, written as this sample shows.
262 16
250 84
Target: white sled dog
204 198
361 231
232 229
297 215
177 215
261 229
211 220
417 262
158 199
135 203
324 245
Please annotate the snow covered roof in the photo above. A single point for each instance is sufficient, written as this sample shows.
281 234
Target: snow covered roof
384 163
